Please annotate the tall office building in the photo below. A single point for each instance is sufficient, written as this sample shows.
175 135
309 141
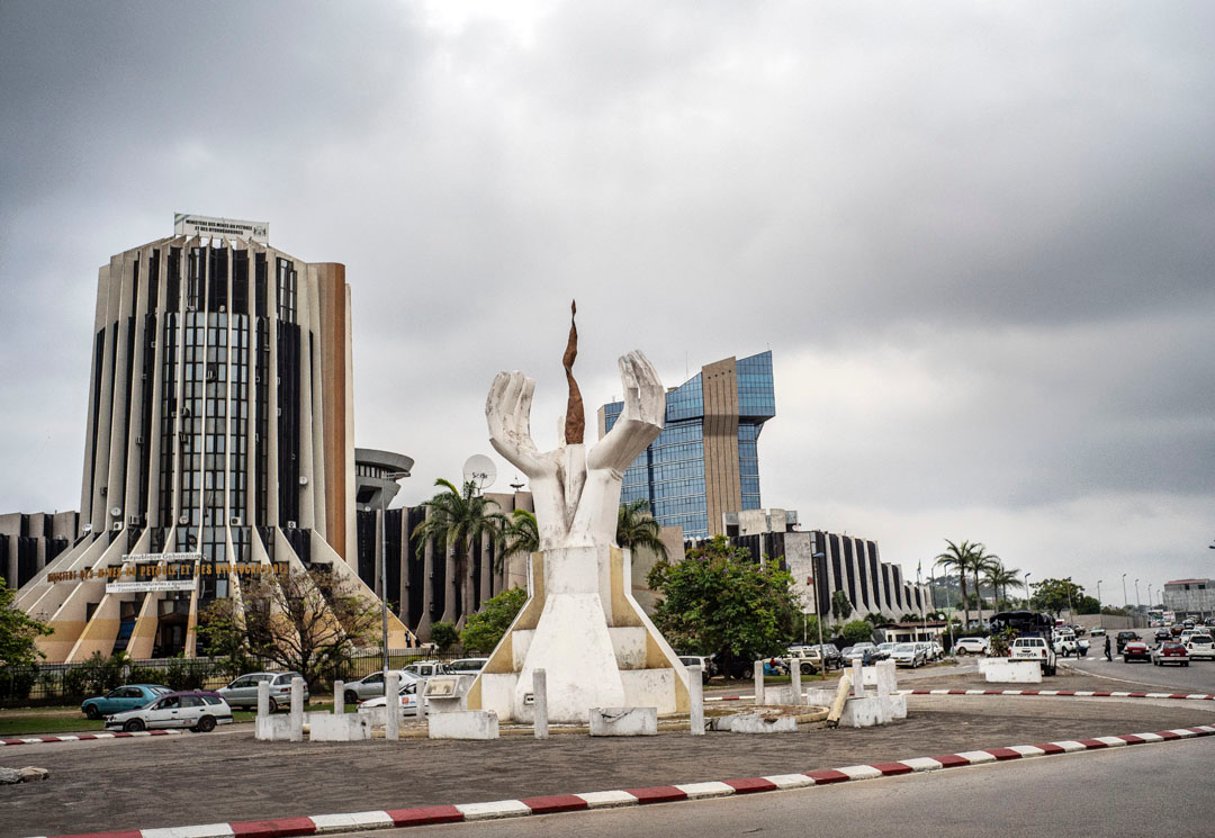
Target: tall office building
705 463
219 440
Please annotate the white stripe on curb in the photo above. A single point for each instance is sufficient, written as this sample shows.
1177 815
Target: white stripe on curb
789 781
1070 745
695 791
211 830
922 764
860 772
976 757
607 799
493 809
1027 750
351 820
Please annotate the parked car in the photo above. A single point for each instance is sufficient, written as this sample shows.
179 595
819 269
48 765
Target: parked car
372 686
908 654
706 665
197 710
864 652
970 646
407 700
1136 650
1201 646
242 692
1097 632
1170 652
1124 637
465 666
884 649
815 658
120 699
427 669
930 650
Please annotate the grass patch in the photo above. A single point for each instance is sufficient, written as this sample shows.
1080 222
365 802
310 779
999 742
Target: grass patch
34 722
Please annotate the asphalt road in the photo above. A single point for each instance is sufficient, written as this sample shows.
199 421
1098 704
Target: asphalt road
1198 677
1072 795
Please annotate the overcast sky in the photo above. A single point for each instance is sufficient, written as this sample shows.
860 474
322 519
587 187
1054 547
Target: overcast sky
977 237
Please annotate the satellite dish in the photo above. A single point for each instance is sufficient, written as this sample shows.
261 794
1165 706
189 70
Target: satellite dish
480 470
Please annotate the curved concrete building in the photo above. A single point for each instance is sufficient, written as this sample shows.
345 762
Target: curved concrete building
219 441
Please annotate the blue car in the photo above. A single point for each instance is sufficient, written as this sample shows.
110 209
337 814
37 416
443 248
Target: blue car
121 699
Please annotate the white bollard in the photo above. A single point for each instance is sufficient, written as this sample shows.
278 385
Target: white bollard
297 709
263 699
759 682
421 696
339 697
795 678
540 703
392 700
858 679
696 698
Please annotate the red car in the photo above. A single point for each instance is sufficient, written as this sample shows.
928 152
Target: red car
1136 650
1170 652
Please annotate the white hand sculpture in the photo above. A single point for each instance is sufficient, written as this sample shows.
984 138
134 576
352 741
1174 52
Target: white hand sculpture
576 499
639 424
552 473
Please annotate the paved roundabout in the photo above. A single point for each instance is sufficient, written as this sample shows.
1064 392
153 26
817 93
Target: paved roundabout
213 782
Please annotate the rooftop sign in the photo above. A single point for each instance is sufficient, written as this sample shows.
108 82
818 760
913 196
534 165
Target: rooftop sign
185 224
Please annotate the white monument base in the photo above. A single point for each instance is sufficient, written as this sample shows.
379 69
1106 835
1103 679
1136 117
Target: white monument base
464 724
273 728
1005 671
597 646
624 721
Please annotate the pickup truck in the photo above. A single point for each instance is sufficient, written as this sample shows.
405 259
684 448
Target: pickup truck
1035 649
1067 644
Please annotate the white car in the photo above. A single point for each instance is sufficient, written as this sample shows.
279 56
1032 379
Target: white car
199 711
372 686
427 669
909 654
407 701
1034 649
467 665
1201 647
970 646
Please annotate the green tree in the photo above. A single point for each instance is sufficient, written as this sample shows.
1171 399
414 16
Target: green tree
841 606
857 631
485 628
221 628
460 518
520 535
636 527
18 632
720 601
444 636
876 619
981 564
1001 578
1054 595
959 558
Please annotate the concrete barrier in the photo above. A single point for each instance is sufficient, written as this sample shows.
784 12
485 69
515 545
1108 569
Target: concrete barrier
624 721
1005 671
464 724
756 723
339 727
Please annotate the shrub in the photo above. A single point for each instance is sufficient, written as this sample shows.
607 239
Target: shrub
182 674
444 636
857 631
17 682
95 676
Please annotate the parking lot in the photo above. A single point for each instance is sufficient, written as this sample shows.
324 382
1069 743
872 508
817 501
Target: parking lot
230 776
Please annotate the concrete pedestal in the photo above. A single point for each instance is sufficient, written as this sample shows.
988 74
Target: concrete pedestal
339 727
464 724
1005 671
624 721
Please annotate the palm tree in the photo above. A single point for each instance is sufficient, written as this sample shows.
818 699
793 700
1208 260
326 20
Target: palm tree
957 557
521 535
1001 577
636 527
981 562
461 518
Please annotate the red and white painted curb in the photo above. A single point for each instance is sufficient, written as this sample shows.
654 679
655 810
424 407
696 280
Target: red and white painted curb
1069 693
86 737
556 803
1050 693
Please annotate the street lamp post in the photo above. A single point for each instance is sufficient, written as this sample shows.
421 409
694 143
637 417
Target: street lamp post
392 476
1138 604
1125 601
818 558
1027 596
1098 596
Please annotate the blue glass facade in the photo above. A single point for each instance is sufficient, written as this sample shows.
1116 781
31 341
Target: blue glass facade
670 474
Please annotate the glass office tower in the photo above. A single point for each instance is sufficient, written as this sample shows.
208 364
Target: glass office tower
706 462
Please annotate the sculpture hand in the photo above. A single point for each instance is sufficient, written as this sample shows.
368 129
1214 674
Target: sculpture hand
508 411
640 421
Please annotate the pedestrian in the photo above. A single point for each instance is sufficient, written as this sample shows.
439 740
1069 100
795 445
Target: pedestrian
1108 656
